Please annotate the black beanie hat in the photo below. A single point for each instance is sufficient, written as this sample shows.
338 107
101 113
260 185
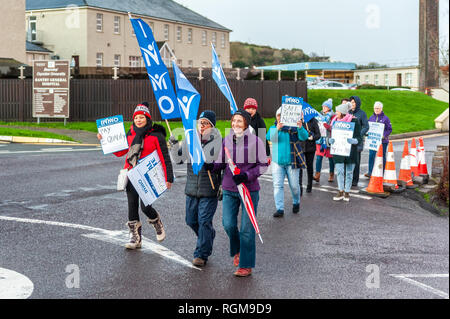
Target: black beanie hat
245 115
209 115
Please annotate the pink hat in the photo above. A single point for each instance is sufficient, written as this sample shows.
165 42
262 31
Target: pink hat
250 103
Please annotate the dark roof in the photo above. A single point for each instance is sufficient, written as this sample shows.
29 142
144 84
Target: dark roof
36 48
162 9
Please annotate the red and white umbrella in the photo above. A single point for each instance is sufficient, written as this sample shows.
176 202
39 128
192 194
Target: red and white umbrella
245 194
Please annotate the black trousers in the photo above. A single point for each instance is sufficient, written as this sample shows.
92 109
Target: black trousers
133 205
309 169
356 170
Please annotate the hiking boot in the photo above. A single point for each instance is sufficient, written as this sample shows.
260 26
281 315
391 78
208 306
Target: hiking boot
135 228
279 213
346 197
331 178
199 262
317 177
236 260
339 196
243 272
296 208
309 189
157 223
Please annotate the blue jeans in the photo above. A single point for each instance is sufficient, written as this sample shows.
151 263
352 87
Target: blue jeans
344 176
319 160
242 240
279 172
373 155
199 216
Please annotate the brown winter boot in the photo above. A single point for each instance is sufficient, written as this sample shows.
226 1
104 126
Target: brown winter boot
331 178
135 228
317 177
157 223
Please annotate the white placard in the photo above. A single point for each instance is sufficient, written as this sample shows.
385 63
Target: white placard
113 134
291 110
340 132
148 178
375 136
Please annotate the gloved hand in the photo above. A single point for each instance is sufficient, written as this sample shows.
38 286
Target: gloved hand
208 166
240 178
352 141
173 140
331 141
310 137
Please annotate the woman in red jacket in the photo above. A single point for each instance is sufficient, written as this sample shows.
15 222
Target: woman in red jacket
144 138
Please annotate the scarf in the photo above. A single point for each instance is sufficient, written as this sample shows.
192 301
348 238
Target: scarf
134 152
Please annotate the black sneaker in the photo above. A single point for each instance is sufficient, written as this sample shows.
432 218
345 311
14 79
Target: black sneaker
279 213
296 209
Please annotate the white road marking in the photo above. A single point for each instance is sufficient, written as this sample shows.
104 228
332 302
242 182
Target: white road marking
407 278
116 237
14 285
50 150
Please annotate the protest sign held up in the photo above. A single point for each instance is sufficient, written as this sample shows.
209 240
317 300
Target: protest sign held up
340 133
291 110
113 134
375 136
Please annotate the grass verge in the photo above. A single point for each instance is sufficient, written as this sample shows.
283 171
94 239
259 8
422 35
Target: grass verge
6 131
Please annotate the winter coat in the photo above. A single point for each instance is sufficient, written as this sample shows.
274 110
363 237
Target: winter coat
362 118
155 140
249 154
199 185
323 140
309 146
353 153
281 145
257 123
381 118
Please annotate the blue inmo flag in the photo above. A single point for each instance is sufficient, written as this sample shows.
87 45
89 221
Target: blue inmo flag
308 112
221 80
157 71
189 101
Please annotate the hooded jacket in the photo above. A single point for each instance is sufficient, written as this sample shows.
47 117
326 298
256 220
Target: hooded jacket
309 146
381 118
362 119
257 123
154 140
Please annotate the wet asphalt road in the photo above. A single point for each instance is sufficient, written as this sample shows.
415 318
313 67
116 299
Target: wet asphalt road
329 250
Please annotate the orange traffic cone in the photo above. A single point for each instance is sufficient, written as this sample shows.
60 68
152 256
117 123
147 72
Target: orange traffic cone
376 179
414 163
390 174
423 170
405 177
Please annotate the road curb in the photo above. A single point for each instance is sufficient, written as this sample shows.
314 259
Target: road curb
40 140
415 134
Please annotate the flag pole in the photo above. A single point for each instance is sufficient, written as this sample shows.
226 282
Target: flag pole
210 179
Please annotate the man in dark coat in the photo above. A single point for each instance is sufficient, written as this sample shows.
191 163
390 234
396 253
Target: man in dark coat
256 121
364 122
309 149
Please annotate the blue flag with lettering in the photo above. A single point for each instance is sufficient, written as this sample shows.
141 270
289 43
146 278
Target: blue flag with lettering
309 112
221 81
189 101
157 71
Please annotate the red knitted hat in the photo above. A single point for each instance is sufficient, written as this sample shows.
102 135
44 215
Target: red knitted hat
250 103
142 109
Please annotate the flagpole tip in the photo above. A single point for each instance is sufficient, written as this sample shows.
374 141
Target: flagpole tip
260 238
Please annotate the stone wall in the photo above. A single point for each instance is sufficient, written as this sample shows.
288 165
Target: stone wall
438 161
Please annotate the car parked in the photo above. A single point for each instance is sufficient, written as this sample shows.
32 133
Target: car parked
329 85
352 86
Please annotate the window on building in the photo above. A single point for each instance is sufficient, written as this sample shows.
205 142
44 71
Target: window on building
116 24
33 28
386 79
204 64
214 38
204 37
408 78
180 63
366 79
99 60
134 61
99 22
166 32
376 79
190 63
179 34
189 35
358 80
223 42
117 60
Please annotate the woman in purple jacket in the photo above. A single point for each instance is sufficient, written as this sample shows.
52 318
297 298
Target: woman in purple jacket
249 154
379 117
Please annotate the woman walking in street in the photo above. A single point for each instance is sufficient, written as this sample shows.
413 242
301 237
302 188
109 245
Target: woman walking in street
286 161
200 190
144 138
379 117
248 152
309 149
344 165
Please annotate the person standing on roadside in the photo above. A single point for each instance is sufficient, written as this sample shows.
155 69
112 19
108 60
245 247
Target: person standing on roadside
200 190
309 149
364 123
379 117
248 152
344 165
144 137
286 161
256 121
322 144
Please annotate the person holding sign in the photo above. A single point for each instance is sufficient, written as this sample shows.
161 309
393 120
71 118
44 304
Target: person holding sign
379 117
144 138
345 164
287 158
248 152
309 148
201 190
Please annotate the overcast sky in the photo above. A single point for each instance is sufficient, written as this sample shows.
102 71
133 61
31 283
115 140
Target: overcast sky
360 31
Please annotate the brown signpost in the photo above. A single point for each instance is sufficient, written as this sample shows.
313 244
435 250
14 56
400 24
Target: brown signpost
51 89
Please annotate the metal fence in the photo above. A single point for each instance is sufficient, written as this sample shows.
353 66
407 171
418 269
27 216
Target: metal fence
91 99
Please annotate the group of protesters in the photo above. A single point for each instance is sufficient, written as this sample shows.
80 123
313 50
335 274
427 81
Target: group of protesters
293 149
